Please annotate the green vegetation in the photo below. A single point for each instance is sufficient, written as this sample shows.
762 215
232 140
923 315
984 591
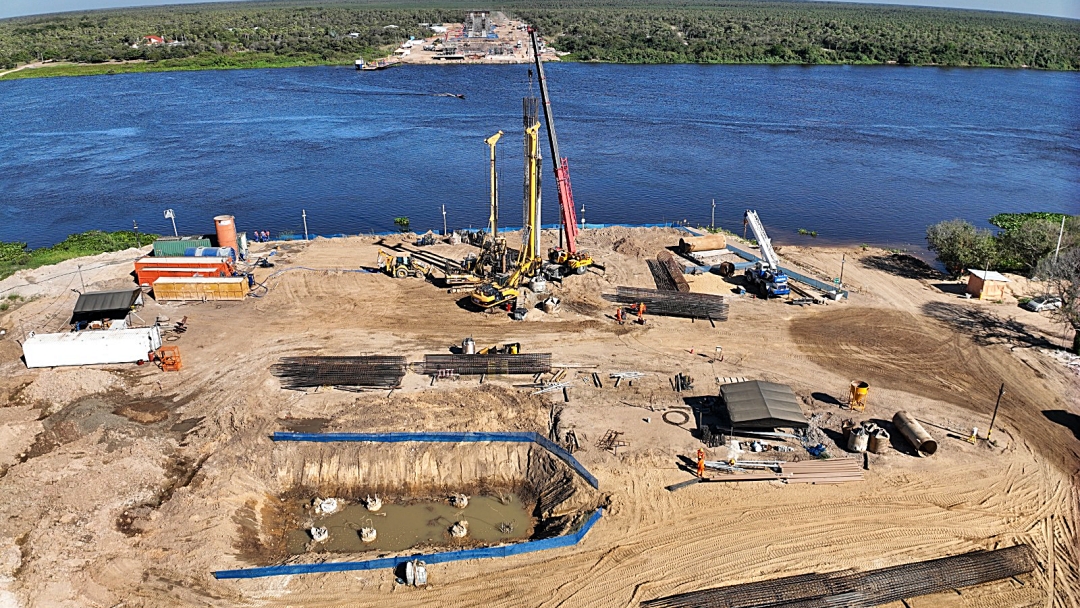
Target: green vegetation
1024 241
17 256
805 232
402 223
271 34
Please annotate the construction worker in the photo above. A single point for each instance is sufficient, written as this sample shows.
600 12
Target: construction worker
641 313
619 315
700 462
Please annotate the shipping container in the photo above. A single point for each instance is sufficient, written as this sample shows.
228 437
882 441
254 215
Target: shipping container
149 269
200 289
176 245
91 347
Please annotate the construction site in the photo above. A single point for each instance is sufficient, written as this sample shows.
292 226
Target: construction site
550 415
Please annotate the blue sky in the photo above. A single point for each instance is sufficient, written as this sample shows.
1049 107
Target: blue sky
1056 8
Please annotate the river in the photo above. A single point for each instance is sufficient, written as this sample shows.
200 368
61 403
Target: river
857 154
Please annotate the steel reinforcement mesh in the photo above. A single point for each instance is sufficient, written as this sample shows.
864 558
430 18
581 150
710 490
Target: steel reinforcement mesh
863 589
673 303
477 365
372 371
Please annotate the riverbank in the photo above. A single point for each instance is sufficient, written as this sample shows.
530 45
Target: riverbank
17 256
249 61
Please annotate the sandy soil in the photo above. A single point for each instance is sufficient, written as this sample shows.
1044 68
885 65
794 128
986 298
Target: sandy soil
131 489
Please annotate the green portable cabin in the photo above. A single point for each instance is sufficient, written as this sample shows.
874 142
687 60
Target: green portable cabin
174 246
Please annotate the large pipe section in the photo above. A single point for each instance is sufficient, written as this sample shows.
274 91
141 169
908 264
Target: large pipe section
225 225
916 435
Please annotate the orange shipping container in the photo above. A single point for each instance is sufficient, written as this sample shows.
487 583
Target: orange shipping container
149 269
200 289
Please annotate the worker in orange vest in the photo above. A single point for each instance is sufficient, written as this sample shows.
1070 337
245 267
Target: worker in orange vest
641 313
619 315
700 462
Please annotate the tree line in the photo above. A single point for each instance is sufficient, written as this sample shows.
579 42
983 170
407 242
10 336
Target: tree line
625 31
1043 246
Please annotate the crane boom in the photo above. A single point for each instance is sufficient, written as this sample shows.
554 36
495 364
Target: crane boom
562 170
764 243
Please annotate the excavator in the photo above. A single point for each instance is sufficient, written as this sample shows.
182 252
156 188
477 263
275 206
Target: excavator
566 254
494 292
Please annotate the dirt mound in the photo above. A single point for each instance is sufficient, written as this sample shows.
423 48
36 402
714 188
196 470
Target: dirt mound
627 246
54 387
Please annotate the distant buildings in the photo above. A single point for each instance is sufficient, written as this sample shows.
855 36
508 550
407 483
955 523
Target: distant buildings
153 40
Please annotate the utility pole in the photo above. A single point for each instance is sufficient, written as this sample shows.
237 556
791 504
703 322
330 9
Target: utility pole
303 214
989 431
81 282
712 224
1060 232
138 239
444 233
843 259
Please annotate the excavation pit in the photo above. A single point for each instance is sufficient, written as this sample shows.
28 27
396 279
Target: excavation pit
525 494
416 525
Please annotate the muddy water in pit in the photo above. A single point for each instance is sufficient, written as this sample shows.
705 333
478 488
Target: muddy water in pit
401 527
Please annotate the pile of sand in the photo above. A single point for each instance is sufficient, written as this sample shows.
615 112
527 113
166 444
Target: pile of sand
63 386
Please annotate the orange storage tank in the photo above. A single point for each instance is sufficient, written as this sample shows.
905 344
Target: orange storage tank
226 231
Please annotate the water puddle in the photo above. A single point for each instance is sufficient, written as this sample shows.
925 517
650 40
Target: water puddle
404 526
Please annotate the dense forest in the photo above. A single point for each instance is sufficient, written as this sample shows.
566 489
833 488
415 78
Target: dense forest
630 31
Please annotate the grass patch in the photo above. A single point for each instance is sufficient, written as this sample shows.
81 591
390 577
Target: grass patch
17 256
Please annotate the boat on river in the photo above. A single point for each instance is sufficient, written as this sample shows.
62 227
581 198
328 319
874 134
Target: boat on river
378 64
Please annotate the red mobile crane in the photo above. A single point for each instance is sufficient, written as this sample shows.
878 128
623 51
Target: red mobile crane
566 253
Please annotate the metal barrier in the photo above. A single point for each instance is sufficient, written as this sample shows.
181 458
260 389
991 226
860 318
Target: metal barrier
430 558
447 437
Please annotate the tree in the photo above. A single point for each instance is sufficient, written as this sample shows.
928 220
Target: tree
1062 275
959 245
1029 242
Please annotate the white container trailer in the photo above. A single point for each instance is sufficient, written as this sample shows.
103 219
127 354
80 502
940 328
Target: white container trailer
91 347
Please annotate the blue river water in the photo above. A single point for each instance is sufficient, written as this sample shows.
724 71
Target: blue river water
857 154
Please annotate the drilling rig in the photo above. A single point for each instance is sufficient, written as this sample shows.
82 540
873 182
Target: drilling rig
566 254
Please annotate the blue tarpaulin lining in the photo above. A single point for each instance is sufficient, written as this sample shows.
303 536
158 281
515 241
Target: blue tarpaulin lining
300 237
430 558
446 437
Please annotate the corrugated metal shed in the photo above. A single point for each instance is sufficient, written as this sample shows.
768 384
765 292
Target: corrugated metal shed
761 405
99 305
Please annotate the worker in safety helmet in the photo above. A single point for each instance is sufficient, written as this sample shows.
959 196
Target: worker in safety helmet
700 462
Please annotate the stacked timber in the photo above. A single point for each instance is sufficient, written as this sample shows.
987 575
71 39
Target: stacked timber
833 470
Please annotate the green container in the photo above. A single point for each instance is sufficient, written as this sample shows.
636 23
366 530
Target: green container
174 246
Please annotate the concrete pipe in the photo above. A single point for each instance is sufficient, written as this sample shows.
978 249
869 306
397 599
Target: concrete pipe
709 242
914 433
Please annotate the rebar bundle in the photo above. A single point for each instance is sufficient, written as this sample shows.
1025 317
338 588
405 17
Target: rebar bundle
864 589
674 270
370 371
673 303
660 275
491 364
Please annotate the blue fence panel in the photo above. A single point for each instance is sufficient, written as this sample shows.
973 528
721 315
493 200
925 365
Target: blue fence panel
431 558
568 459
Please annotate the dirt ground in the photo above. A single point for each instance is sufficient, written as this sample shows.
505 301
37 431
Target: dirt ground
128 486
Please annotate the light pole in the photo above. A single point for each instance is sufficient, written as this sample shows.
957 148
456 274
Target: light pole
712 224
303 214
170 215
444 220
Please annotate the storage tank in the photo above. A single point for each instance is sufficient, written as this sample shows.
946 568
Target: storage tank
226 231
210 252
914 433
